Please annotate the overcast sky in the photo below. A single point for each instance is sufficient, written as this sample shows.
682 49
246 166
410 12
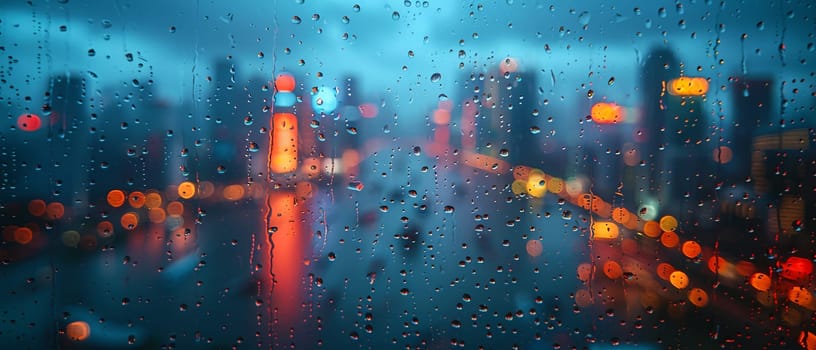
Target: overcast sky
177 41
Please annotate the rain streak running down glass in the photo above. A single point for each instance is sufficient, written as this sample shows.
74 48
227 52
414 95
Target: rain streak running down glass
325 174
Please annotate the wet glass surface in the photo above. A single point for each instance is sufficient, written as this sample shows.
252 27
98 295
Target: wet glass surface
407 174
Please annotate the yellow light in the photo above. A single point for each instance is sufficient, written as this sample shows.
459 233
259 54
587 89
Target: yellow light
688 86
605 230
283 153
607 113
668 223
679 279
536 184
519 187
556 185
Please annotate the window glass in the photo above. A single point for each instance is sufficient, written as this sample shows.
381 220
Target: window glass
517 174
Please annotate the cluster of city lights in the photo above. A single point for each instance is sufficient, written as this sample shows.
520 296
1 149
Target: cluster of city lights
791 280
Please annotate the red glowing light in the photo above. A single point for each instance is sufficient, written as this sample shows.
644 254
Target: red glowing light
29 122
285 82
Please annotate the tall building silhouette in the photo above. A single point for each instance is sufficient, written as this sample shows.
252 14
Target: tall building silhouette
674 133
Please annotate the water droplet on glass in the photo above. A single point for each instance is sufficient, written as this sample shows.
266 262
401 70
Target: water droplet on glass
395 16
296 20
356 186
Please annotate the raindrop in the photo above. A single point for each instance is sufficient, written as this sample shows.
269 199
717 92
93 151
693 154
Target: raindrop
611 81
395 16
356 186
436 77
296 20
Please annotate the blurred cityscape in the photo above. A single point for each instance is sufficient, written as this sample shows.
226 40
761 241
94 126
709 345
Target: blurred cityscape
278 211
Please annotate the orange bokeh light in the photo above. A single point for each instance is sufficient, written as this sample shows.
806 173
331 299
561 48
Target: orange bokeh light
652 229
669 239
761 282
283 152
36 207
129 221
104 229
233 192
23 235
691 249
607 113
54 210
186 190
136 199
698 297
688 86
679 279
285 82
605 230
116 198
175 208
153 200
78 331
156 215
612 269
